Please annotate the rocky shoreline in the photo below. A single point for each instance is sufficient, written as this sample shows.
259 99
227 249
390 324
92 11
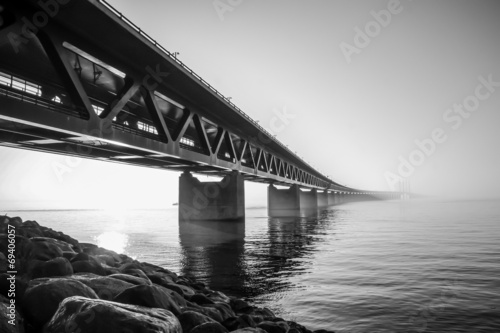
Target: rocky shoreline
51 283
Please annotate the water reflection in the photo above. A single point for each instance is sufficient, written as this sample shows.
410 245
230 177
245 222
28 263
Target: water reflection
262 261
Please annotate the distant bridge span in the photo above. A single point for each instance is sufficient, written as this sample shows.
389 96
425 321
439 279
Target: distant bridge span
79 78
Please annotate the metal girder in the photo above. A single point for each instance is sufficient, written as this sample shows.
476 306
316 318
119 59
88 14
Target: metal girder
153 134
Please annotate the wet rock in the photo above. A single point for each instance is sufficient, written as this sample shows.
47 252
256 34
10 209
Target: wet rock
223 308
105 287
16 221
52 268
131 279
191 319
273 327
29 232
160 278
43 296
217 296
209 312
201 299
209 328
106 259
42 249
31 224
249 330
240 306
65 247
80 257
185 291
88 267
100 316
243 321
11 320
48 232
150 296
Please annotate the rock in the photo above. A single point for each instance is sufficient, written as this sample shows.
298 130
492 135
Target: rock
105 287
11 321
201 299
217 296
160 278
191 319
209 312
88 248
106 259
43 296
65 247
185 291
223 308
43 250
52 268
80 257
47 232
209 328
249 330
16 221
29 232
273 327
150 296
243 321
31 224
79 314
240 306
88 267
131 279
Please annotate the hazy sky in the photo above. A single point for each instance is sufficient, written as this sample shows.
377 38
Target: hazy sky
362 87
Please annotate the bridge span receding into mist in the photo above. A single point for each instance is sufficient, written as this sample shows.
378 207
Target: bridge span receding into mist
101 88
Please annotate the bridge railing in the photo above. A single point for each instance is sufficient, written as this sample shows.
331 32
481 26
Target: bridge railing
199 78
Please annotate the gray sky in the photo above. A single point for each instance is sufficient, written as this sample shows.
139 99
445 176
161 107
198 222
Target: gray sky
359 102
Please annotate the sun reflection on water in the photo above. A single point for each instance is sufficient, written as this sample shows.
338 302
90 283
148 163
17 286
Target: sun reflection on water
113 240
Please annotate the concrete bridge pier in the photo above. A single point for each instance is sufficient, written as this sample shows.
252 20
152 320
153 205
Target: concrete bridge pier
331 198
293 202
322 198
223 200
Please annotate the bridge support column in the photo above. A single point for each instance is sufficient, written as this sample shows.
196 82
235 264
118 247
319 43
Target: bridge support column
322 199
330 196
223 200
284 202
291 202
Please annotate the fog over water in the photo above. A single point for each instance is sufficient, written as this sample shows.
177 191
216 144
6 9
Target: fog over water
367 96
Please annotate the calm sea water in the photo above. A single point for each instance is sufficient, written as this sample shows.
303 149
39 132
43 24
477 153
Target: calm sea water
412 266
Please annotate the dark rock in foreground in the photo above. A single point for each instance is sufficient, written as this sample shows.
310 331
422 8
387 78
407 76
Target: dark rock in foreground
66 286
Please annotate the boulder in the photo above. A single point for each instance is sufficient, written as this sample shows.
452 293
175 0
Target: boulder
240 306
249 330
185 291
201 299
105 287
273 327
223 308
88 267
150 296
31 224
11 321
131 279
79 314
42 297
209 328
65 247
55 267
209 312
191 319
42 249
243 321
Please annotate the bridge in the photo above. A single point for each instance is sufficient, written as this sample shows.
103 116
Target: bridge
79 78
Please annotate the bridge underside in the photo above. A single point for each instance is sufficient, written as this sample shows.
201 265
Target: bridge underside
105 90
